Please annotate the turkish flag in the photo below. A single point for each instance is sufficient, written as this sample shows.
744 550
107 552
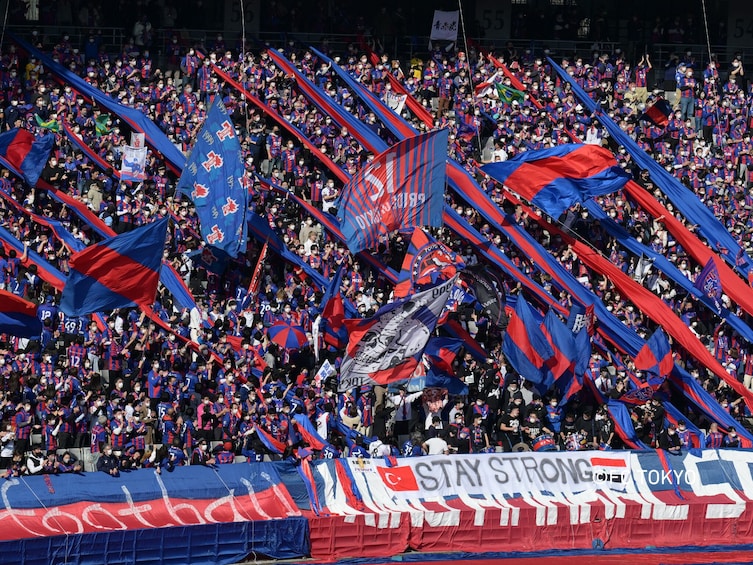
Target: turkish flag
398 478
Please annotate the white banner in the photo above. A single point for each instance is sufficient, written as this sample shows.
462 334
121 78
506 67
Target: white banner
395 102
391 338
513 474
133 163
137 140
445 26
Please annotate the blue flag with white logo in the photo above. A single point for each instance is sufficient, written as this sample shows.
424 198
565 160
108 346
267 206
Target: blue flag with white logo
215 180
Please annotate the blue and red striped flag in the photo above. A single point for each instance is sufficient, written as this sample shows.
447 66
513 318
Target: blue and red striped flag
556 178
18 317
401 188
655 356
117 272
270 442
526 347
26 153
571 381
426 262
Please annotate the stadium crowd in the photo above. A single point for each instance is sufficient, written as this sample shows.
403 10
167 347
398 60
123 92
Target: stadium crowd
139 396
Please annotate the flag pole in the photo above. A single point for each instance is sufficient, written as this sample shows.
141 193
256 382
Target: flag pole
470 74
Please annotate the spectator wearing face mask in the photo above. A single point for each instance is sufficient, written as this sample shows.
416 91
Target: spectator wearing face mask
200 455
670 441
108 462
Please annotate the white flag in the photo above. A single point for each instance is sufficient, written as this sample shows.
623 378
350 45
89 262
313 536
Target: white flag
137 139
395 102
315 330
133 163
389 346
324 372
445 26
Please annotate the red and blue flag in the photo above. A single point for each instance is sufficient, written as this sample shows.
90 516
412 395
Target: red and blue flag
556 178
441 352
709 283
526 347
426 262
658 113
308 433
215 180
333 312
120 271
26 153
401 188
571 381
18 317
655 357
562 342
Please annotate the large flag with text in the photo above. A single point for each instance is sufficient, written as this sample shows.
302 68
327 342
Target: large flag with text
388 347
401 188
444 26
215 180
117 272
556 178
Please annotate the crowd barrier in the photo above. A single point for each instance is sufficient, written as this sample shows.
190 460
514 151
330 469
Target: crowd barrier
340 508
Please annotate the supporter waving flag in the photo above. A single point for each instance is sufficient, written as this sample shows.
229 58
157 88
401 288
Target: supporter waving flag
118 272
658 113
562 341
389 346
526 347
427 261
556 178
25 153
18 317
655 356
401 188
215 181
709 283
333 312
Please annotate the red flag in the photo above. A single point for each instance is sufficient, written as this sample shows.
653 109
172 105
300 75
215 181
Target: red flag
253 286
398 478
334 314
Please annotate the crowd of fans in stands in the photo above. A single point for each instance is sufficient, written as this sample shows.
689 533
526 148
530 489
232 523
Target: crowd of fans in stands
121 385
